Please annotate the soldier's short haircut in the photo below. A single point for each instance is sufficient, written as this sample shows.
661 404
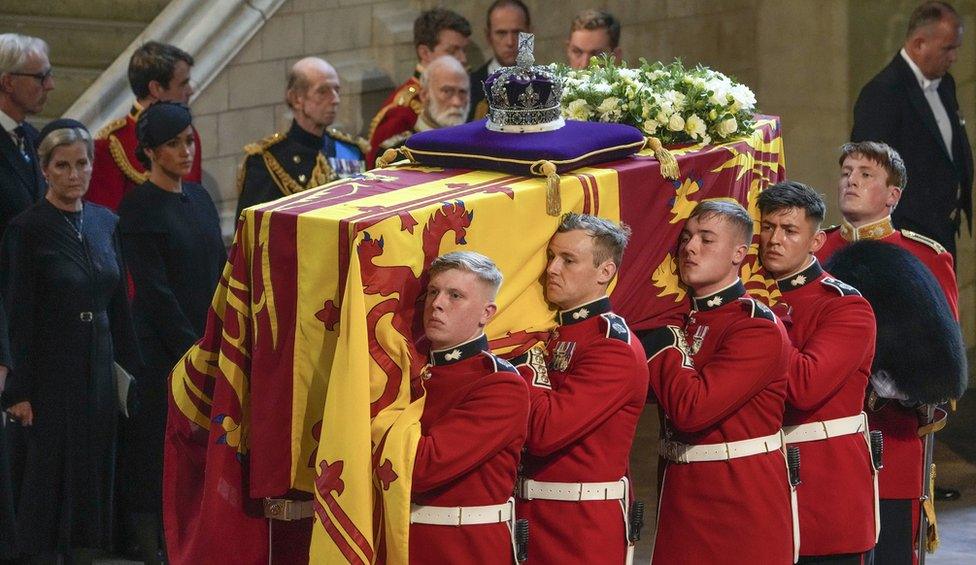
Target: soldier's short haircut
480 266
609 239
882 154
598 19
428 26
729 211
792 194
930 13
16 48
508 3
154 61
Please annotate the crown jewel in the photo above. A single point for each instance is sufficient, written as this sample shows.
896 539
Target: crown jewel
526 97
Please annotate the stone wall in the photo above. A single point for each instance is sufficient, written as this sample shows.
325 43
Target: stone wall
805 60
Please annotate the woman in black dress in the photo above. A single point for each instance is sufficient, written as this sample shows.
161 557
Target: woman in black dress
63 286
175 253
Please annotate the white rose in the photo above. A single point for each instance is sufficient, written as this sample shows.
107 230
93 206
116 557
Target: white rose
727 127
649 127
694 126
600 88
609 109
578 110
744 97
676 122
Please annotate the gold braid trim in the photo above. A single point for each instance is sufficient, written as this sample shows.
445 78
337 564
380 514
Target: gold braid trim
407 98
122 160
112 127
362 144
321 174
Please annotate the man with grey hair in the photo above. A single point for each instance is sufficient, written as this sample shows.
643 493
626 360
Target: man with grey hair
587 391
473 424
25 80
445 99
312 152
722 397
911 105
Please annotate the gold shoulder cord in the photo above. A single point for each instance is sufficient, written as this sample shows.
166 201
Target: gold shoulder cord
111 127
122 160
321 174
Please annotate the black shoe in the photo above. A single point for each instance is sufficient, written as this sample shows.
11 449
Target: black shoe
946 494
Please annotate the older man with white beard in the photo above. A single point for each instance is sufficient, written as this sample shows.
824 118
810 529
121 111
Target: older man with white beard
445 95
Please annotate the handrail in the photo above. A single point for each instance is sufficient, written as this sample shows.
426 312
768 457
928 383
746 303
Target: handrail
212 32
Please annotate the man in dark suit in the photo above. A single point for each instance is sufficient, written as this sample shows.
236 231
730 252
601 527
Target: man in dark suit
911 105
506 19
25 80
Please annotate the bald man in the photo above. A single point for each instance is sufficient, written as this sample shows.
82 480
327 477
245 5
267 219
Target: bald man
311 153
445 99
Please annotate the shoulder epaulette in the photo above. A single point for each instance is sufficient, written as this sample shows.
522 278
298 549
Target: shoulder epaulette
359 142
501 365
110 128
407 95
616 327
259 147
935 245
757 309
841 287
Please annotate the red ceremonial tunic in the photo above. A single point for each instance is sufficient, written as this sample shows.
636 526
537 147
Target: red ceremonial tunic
832 329
902 474
116 170
586 401
395 120
472 431
728 385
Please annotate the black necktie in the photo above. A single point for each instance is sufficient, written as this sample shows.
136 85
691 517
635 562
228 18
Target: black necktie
22 142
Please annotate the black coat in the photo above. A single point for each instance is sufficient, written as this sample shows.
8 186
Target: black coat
175 254
892 108
69 319
479 104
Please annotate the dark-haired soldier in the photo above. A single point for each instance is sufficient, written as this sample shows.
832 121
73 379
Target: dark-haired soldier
311 153
157 71
593 33
506 19
436 32
586 397
721 383
832 330
872 181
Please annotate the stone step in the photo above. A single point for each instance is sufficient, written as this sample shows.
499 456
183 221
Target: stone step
118 10
77 42
69 84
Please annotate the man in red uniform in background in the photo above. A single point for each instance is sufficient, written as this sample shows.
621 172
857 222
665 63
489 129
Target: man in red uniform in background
157 71
872 179
436 32
586 397
473 425
721 382
832 329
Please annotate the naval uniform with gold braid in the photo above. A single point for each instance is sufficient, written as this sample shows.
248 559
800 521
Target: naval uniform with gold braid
585 405
900 483
721 383
395 121
472 432
832 329
285 164
116 170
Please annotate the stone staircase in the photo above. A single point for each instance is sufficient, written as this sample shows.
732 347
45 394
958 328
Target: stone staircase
85 36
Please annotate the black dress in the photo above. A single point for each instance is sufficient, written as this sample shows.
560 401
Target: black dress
175 254
69 319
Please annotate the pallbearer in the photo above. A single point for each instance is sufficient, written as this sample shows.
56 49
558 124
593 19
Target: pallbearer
721 382
587 390
832 330
473 425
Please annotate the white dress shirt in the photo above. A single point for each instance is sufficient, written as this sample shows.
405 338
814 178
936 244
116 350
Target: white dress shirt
930 88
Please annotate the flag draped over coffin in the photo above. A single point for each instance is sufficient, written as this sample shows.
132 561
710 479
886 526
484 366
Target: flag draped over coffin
300 385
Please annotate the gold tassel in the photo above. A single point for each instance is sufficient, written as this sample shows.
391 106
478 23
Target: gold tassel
669 164
928 505
388 157
554 200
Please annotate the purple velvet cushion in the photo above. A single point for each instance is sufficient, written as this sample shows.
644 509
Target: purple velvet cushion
575 145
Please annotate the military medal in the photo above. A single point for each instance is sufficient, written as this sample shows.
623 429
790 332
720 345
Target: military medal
562 355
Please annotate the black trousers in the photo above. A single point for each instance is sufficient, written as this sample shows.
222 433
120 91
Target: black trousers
896 544
866 558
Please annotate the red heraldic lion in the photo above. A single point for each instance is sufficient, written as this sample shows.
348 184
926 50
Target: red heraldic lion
472 432
586 400
832 329
116 170
721 383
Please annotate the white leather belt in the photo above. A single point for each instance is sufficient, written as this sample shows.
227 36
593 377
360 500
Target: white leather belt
826 429
572 492
461 515
683 453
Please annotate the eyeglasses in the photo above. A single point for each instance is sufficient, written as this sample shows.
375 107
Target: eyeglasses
41 77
